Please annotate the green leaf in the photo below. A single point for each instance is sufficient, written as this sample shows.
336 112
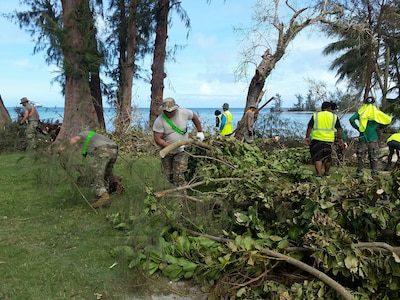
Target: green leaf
396 257
275 238
283 244
241 292
351 263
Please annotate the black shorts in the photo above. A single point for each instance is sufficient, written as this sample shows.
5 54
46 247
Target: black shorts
394 145
321 151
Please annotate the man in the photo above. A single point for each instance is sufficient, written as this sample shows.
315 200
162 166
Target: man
31 119
218 117
172 126
393 143
249 123
370 119
103 153
320 136
226 126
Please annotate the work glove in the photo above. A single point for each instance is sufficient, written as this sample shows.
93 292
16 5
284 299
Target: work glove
345 146
200 136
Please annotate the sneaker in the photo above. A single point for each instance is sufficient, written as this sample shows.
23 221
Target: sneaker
103 200
326 174
318 177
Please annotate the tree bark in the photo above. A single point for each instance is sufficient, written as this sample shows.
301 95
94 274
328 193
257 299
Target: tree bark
79 111
4 114
160 53
95 91
127 44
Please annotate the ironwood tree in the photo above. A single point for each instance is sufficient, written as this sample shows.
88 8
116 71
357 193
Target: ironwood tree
78 53
160 54
66 31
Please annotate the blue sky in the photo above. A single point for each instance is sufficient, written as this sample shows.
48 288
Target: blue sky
201 76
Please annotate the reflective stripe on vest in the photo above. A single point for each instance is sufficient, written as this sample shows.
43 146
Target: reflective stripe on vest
324 126
228 127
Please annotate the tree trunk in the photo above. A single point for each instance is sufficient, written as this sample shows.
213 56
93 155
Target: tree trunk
79 111
4 114
127 44
268 61
158 73
95 91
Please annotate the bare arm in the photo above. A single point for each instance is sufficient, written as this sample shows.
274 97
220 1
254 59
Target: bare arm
74 140
158 138
308 133
248 121
197 123
25 117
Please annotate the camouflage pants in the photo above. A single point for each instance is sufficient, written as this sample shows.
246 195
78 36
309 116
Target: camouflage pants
102 162
31 135
248 138
174 167
372 149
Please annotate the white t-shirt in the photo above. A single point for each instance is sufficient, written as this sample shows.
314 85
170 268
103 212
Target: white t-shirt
180 120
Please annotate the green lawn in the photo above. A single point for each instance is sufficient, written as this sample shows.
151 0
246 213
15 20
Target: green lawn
52 244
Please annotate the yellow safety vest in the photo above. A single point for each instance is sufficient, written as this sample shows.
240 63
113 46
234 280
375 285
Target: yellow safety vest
228 127
394 137
324 126
369 112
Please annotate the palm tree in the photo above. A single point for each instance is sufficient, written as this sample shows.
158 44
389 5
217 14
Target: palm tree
366 43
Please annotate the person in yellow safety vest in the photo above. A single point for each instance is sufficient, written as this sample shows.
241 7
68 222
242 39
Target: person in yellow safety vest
393 142
226 126
367 121
320 136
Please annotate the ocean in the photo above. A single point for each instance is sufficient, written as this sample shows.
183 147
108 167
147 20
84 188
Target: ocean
206 115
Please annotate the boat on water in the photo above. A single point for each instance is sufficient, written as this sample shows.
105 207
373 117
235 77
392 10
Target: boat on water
36 104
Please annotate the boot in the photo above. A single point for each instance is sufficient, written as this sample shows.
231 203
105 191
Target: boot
103 200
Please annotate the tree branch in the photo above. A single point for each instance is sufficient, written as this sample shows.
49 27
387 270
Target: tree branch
165 151
162 194
290 260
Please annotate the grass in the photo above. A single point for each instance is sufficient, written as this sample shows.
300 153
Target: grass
52 245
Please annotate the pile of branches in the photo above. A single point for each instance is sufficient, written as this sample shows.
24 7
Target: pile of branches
252 224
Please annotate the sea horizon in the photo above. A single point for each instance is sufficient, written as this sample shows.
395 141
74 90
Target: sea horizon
140 116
